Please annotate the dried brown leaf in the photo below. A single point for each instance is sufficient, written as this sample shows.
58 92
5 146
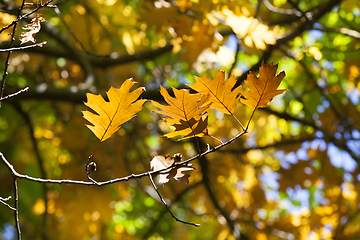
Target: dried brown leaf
33 28
164 161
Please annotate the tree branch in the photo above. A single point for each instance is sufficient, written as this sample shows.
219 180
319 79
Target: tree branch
16 203
23 47
15 94
162 213
3 201
14 23
168 208
40 163
2 88
127 178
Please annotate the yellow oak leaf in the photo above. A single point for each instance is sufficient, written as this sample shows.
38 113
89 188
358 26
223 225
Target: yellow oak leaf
121 107
164 161
33 27
262 89
185 112
223 98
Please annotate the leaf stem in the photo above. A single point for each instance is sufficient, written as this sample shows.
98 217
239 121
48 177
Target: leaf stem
221 142
252 114
237 120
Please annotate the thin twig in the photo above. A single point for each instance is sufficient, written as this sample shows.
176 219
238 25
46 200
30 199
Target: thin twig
157 219
26 15
23 47
237 120
15 94
221 142
40 163
252 114
16 212
7 61
33 4
127 178
168 208
3 201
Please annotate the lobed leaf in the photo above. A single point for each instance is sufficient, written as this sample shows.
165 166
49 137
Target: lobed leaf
262 89
185 112
223 98
122 106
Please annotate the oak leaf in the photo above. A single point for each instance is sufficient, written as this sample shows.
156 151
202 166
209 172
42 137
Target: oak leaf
33 27
185 112
121 107
164 161
262 89
223 98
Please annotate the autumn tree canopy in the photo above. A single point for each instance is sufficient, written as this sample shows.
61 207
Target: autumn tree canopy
180 119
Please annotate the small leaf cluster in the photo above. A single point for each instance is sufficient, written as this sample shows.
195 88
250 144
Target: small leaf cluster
186 111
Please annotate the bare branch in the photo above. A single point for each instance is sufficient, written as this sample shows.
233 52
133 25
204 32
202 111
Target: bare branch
39 6
2 88
40 163
168 208
16 212
178 197
127 178
3 201
24 47
15 94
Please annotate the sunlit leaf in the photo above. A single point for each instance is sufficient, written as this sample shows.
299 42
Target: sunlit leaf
122 106
185 112
222 94
262 88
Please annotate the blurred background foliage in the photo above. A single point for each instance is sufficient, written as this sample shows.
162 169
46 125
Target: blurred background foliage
295 175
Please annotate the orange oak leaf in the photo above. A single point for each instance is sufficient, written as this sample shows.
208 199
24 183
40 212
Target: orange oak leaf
262 89
185 112
223 98
121 107
164 161
33 27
